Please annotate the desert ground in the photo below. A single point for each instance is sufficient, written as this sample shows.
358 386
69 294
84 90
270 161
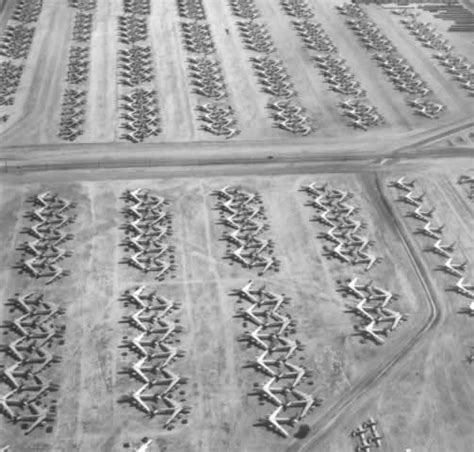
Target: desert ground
414 378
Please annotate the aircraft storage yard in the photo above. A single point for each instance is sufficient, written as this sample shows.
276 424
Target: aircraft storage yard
237 225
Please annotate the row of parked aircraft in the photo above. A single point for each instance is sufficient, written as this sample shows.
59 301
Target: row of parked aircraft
49 216
372 308
155 354
425 215
272 335
458 66
367 436
146 228
37 327
244 214
334 211
396 68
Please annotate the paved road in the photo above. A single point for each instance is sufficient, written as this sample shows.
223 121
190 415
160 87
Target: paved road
253 154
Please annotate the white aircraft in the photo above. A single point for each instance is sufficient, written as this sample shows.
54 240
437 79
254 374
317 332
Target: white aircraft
6 403
144 447
169 353
167 329
237 256
306 401
290 346
11 349
273 299
369 331
274 422
338 252
138 344
296 372
250 315
422 215
359 123
323 218
376 437
315 189
172 380
136 297
469 310
391 315
138 370
247 292
365 258
409 198
430 231
174 409
9 374
135 399
262 364
268 392
136 320
464 288
443 250
255 338
38 417
266 262
280 321
381 294
360 309
454 269
355 289
402 184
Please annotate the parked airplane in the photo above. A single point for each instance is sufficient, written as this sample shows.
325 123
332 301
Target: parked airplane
409 198
138 344
452 268
356 289
257 338
421 215
135 399
369 332
290 346
469 310
338 252
428 230
262 364
144 447
274 422
376 438
38 416
172 380
247 292
443 250
268 392
174 409
306 401
296 372
463 288
6 403
10 373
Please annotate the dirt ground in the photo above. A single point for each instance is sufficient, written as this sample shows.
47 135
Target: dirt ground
345 369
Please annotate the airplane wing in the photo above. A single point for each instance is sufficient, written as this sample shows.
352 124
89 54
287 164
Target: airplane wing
37 423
